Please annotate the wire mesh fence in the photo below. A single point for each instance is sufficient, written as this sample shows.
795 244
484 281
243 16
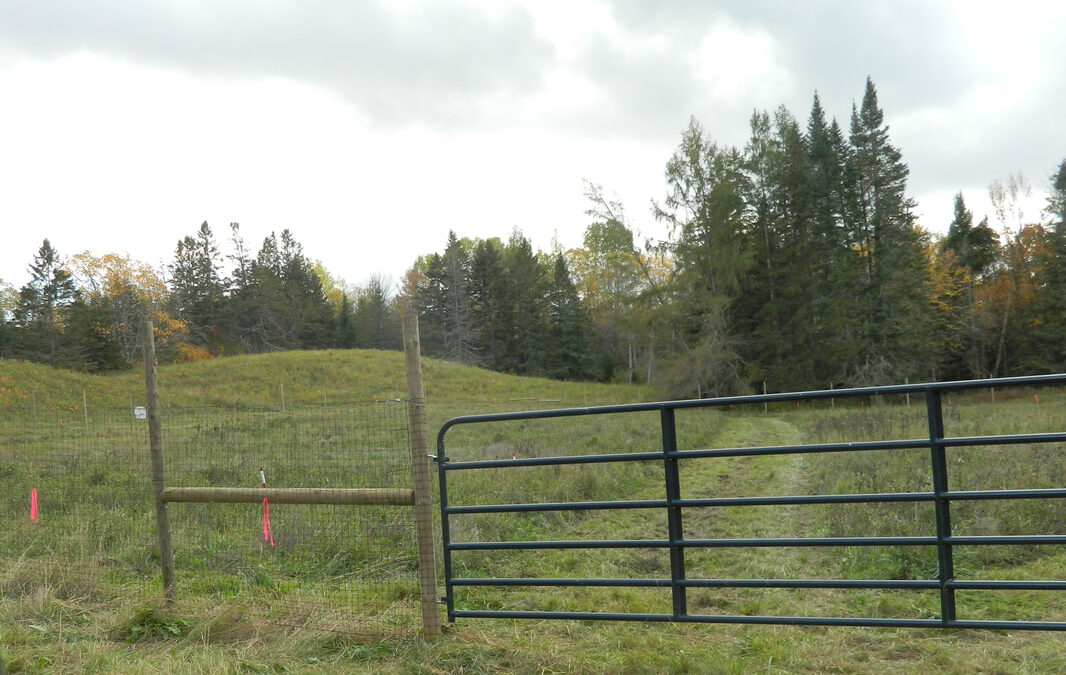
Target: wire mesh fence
77 511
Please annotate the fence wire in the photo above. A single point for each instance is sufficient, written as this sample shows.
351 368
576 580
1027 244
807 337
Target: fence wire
78 523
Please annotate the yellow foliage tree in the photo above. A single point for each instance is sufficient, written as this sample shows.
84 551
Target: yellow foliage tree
125 292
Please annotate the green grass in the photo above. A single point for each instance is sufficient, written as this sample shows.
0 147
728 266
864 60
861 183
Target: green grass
89 601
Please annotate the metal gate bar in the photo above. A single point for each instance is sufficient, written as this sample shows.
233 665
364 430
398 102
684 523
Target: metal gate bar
677 544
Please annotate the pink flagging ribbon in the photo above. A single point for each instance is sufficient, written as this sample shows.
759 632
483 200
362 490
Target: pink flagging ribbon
33 505
268 532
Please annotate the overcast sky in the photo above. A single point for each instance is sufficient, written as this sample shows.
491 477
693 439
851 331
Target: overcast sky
371 129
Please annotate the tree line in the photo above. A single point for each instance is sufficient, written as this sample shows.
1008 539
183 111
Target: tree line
794 260
85 312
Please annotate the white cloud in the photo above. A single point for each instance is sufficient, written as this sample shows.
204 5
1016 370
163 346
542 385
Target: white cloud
371 129
737 64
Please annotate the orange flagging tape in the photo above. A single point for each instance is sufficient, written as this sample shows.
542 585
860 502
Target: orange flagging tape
33 505
268 532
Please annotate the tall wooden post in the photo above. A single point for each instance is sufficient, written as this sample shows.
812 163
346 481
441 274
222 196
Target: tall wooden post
155 440
416 425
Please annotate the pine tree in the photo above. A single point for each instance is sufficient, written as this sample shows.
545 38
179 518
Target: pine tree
42 310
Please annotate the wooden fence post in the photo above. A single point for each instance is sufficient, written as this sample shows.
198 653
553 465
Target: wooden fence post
416 425
155 440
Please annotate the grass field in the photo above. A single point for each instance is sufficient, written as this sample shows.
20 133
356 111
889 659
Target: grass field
103 613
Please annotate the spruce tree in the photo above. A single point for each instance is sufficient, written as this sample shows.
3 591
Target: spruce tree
569 328
962 259
974 247
776 318
895 288
1049 331
490 310
375 320
196 288
836 312
42 309
310 319
346 335
524 302
459 330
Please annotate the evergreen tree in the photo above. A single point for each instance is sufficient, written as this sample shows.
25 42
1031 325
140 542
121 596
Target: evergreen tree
894 291
309 320
569 328
1056 207
376 321
972 250
836 313
490 311
42 310
459 332
776 317
197 291
1049 330
241 294
258 302
974 247
346 334
523 301
277 300
90 345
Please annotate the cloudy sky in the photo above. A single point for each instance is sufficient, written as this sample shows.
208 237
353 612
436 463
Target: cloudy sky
371 129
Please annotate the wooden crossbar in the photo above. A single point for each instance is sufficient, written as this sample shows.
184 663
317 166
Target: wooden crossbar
357 496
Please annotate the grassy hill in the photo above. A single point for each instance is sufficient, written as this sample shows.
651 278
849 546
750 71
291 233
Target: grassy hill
301 377
56 626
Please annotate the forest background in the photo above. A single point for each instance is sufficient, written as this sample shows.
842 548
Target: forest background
794 262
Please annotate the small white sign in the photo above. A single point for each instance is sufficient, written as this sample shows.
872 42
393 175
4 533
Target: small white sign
140 413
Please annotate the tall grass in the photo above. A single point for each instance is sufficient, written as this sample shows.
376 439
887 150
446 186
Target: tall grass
248 607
